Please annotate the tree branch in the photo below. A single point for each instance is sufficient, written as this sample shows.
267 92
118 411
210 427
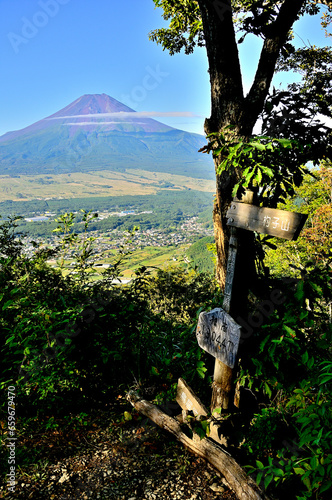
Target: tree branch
276 36
243 485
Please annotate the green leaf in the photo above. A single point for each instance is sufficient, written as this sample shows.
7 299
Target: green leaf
8 341
286 143
278 472
154 371
259 477
311 362
322 380
258 176
206 426
217 152
326 486
299 470
314 462
248 178
200 432
263 343
299 294
267 390
235 189
201 372
289 330
259 464
7 304
236 147
305 357
201 369
268 171
217 410
307 482
258 145
267 480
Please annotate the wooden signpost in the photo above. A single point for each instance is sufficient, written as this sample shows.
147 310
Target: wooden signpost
217 333
280 223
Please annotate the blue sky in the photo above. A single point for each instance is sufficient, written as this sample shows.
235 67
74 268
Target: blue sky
54 51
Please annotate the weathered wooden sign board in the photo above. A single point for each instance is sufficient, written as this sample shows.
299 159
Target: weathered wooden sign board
270 221
219 335
188 400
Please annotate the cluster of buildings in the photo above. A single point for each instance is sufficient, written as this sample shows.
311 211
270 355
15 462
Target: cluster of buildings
115 239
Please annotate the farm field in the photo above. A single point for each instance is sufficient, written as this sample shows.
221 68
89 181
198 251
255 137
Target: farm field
150 257
98 183
160 257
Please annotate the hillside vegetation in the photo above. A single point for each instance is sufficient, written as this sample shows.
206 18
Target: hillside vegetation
70 344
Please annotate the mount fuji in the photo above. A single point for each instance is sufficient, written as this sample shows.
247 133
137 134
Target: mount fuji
97 132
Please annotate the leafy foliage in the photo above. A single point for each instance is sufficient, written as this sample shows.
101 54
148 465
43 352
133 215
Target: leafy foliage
288 368
185 29
62 333
70 337
286 351
313 246
270 164
309 458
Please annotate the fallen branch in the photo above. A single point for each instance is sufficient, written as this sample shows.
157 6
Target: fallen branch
242 485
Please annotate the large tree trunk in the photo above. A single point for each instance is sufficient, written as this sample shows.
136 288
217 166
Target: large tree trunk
229 107
228 104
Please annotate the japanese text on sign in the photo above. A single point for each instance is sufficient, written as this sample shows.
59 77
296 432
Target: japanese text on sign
219 335
274 223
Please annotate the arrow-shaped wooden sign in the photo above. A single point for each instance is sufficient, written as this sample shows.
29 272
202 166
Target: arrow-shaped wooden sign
274 222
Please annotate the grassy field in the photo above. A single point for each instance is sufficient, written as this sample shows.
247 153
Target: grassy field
99 183
159 257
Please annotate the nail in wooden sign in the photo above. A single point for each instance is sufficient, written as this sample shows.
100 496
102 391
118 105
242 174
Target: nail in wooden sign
219 335
274 222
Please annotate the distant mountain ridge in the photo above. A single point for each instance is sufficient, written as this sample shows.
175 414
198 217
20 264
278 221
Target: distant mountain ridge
97 132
